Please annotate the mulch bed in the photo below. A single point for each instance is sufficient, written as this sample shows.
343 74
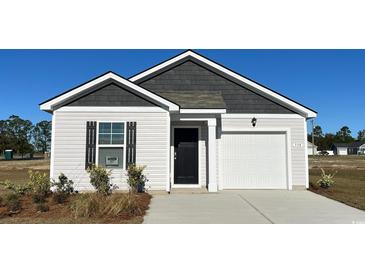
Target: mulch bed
62 213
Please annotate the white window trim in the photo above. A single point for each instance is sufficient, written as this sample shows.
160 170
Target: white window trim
260 115
204 111
111 109
113 145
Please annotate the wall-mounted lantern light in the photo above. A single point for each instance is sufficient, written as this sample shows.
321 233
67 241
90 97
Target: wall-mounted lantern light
253 121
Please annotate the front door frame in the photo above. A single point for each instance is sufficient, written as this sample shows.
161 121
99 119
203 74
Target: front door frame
172 155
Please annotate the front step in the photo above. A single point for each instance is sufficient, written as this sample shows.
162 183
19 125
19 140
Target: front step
201 190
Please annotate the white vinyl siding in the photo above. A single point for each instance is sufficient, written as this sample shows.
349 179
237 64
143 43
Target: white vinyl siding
298 141
342 151
151 150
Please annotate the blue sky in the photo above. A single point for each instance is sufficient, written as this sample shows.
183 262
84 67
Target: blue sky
332 82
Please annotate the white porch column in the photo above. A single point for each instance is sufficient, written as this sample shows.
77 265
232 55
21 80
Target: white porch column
212 156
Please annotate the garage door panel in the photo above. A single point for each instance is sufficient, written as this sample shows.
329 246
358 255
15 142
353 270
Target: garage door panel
254 160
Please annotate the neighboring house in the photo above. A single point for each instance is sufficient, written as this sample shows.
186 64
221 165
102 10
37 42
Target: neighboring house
339 148
361 150
353 148
191 121
311 148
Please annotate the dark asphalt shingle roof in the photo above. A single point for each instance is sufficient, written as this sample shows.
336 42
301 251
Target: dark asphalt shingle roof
193 99
340 145
356 144
353 144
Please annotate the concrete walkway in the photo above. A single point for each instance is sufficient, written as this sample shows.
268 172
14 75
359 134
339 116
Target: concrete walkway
250 207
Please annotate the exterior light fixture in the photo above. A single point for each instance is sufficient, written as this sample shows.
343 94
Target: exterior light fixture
253 121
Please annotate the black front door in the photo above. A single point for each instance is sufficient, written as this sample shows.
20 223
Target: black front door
186 155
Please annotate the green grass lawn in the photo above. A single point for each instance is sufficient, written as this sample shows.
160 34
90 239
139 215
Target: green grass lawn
349 187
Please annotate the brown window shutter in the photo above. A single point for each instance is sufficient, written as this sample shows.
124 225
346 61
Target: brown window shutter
90 144
131 143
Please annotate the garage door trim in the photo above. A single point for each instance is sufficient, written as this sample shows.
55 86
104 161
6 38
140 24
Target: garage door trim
287 133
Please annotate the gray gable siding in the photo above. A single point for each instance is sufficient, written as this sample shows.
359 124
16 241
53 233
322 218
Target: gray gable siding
111 95
190 76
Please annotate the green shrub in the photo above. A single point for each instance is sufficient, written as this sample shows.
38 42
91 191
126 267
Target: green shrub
16 188
136 178
12 202
40 186
62 189
326 179
63 184
1 201
99 178
42 207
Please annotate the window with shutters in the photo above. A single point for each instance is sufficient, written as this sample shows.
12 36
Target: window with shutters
111 144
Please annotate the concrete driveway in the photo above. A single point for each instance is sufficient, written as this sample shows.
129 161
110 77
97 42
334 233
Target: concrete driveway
250 207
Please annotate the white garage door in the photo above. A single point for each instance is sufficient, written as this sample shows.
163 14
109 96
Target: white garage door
253 161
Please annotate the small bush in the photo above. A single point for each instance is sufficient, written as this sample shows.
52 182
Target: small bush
63 185
136 178
12 202
40 186
62 189
38 198
99 178
326 179
41 207
16 188
1 201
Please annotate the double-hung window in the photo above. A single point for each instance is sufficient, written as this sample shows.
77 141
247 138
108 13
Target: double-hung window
111 144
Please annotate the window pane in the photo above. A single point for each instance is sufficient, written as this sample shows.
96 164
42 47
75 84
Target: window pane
105 128
118 127
111 157
118 139
104 138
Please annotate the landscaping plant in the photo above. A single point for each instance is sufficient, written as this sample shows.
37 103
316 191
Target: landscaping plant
12 196
40 186
12 202
121 204
99 178
326 180
136 178
42 207
88 205
62 188
15 188
98 205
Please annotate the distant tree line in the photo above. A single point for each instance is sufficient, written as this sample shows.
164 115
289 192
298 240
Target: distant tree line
23 137
324 141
